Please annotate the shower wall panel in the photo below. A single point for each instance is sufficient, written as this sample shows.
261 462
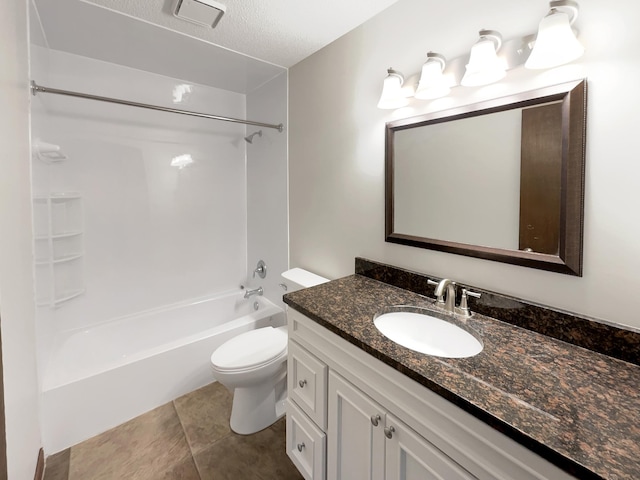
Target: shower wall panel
164 195
268 222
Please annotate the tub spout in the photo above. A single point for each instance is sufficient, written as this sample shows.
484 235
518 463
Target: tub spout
255 291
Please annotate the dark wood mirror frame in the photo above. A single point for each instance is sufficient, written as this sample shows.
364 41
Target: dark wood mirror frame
573 98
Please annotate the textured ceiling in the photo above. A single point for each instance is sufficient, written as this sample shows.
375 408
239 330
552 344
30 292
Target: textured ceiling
281 32
88 30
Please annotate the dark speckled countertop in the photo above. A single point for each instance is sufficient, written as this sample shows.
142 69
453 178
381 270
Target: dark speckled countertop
577 408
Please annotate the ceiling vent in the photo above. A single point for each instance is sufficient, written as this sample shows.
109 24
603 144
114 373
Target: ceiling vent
200 12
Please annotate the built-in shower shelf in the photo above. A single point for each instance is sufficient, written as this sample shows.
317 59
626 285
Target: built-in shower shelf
65 196
59 235
61 299
66 258
58 247
67 296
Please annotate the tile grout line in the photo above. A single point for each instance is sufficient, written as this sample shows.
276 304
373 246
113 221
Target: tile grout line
68 464
186 437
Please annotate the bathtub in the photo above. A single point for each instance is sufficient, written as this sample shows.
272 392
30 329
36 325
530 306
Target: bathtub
102 376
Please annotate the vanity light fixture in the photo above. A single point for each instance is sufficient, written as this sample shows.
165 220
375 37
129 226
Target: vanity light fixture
556 43
392 94
484 66
432 83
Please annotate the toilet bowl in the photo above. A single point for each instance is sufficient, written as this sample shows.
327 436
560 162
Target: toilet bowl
254 366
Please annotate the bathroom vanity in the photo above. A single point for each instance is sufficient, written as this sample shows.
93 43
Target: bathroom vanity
528 406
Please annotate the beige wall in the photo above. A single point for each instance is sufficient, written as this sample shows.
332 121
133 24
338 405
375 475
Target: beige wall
16 275
337 147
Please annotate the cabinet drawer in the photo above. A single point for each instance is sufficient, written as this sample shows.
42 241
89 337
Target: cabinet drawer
306 444
307 383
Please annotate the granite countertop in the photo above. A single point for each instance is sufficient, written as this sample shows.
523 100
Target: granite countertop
577 408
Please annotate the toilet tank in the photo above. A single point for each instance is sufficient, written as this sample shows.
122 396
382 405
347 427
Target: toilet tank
298 278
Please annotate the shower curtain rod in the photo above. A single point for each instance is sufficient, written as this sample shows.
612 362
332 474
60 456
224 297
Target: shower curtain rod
35 88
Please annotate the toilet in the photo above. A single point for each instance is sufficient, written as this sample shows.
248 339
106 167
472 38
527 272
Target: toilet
254 366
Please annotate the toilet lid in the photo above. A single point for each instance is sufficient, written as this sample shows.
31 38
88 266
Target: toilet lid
251 349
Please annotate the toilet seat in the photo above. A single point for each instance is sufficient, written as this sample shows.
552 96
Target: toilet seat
251 350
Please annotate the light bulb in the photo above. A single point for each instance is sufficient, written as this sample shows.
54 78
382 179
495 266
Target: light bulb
432 82
484 66
555 44
392 95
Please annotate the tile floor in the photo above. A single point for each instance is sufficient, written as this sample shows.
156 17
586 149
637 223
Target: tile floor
187 439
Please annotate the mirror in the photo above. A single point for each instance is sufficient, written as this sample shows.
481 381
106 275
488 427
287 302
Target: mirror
501 180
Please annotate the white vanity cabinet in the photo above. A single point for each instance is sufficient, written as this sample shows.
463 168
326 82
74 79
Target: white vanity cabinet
306 412
306 444
408 456
307 383
367 442
355 432
357 402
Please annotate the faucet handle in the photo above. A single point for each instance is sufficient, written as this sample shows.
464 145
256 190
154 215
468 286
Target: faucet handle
464 306
432 282
261 270
470 293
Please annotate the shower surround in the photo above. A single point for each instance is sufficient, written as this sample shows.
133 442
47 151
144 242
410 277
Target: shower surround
162 212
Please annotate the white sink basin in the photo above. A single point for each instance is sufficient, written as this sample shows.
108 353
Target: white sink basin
426 334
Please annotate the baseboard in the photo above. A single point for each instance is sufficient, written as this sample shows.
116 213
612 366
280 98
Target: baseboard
40 466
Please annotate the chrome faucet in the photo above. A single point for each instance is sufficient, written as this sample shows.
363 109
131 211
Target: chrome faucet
255 291
446 288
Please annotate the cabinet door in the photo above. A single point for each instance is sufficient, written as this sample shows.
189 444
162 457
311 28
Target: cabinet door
410 457
355 441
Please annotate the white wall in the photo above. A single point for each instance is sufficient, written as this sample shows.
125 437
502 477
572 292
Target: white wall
337 147
154 234
21 394
267 187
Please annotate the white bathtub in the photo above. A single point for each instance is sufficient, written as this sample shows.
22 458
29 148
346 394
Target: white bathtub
100 377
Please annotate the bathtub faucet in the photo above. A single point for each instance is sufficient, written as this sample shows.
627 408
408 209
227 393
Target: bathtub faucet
255 291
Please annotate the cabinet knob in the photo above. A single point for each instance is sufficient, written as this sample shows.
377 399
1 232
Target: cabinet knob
388 432
374 420
302 383
300 446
